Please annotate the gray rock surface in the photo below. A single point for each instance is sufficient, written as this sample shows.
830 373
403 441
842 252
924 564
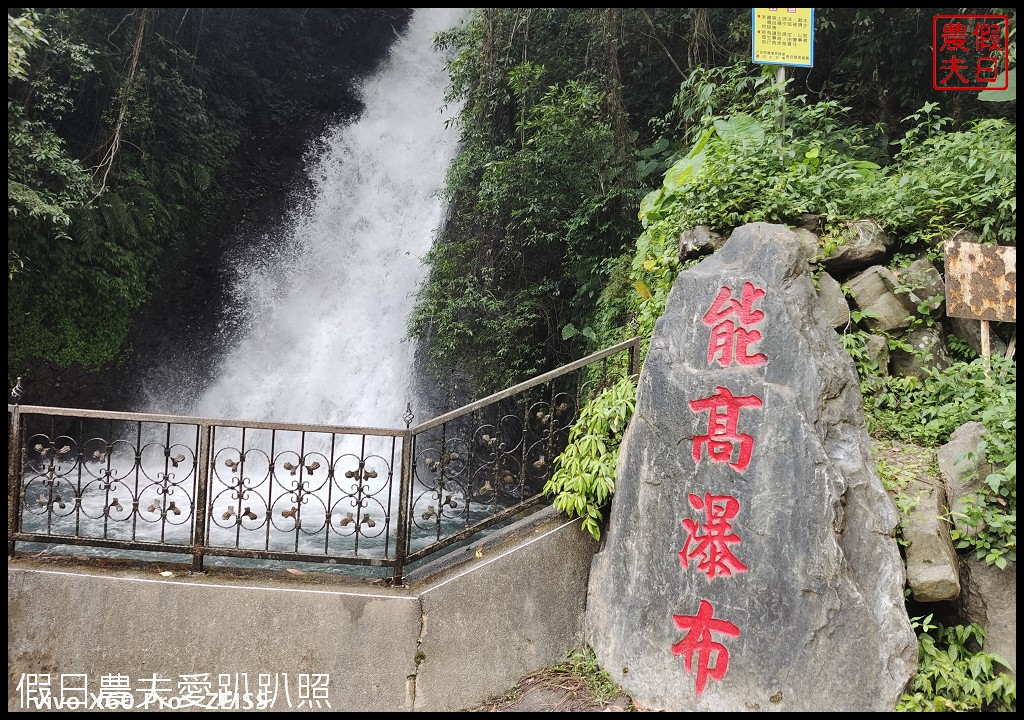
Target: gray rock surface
769 524
963 467
833 302
925 289
697 241
810 242
989 598
878 349
872 292
929 351
933 568
866 244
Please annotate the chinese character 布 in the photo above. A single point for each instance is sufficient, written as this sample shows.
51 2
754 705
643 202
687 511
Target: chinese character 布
712 656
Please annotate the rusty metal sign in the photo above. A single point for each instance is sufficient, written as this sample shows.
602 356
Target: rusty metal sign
981 281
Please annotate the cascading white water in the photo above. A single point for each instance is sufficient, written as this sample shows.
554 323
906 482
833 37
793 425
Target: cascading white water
323 305
325 308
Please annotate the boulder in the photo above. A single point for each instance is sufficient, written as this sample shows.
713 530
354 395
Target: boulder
750 561
698 241
933 568
877 348
924 292
928 351
872 293
833 302
963 467
989 598
866 243
810 242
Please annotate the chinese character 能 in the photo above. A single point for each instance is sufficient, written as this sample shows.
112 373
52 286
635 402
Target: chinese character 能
726 336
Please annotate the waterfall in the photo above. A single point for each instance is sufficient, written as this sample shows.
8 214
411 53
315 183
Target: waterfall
322 305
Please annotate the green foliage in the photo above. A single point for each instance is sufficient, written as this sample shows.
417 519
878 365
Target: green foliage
583 664
543 192
954 674
928 410
584 477
520 263
22 36
126 145
44 183
944 180
743 165
990 513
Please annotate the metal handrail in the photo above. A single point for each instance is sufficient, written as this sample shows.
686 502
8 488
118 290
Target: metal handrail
630 344
204 421
344 474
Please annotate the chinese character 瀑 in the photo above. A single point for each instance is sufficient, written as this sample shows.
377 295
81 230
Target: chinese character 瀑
34 689
318 683
725 335
954 65
708 543
723 417
699 641
954 36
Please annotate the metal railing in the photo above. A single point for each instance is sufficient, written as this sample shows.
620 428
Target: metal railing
286 491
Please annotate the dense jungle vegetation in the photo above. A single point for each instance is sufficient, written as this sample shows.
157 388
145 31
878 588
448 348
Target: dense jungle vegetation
137 136
591 138
571 116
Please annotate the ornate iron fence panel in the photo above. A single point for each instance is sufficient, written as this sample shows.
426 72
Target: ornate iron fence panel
107 482
313 495
481 464
351 496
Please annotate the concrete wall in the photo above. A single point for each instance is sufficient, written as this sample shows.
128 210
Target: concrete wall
462 631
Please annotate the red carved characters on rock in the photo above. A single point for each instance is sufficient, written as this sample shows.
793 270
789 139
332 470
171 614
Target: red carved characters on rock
730 342
700 641
710 542
707 543
723 434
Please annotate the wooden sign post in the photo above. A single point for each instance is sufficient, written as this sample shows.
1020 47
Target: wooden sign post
981 284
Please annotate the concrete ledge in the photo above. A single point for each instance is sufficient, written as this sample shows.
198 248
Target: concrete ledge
456 636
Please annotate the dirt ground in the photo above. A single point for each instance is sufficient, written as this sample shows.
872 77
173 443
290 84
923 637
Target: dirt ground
559 689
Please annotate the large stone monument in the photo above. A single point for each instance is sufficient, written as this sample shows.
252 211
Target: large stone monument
750 560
